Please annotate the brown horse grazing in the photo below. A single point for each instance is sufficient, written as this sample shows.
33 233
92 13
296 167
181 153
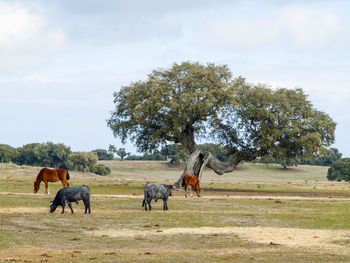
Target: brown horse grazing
51 175
193 182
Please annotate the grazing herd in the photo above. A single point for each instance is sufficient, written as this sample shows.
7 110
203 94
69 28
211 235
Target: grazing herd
67 194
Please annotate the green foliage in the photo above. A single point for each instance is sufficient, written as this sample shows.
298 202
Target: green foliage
325 159
286 162
7 153
103 154
122 153
119 152
172 105
339 170
100 169
175 152
219 152
43 154
112 149
57 154
147 156
280 124
192 101
82 161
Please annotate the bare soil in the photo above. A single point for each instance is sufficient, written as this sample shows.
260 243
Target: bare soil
291 237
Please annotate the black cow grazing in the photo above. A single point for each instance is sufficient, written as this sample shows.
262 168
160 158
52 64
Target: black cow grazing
156 191
71 194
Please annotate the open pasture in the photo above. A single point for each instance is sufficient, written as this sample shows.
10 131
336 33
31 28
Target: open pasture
257 213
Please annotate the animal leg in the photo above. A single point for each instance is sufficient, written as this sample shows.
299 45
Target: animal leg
149 205
198 190
70 206
87 206
46 187
63 205
165 205
143 202
186 188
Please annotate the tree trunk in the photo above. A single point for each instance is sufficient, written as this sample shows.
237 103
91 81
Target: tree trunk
198 160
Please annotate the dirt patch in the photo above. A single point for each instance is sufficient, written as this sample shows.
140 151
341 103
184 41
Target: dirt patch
290 237
275 193
229 195
35 254
23 210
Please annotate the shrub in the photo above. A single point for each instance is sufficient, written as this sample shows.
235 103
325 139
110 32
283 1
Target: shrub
339 170
100 169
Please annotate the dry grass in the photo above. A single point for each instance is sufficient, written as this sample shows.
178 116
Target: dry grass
258 213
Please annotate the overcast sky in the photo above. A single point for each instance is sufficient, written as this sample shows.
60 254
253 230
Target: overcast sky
61 61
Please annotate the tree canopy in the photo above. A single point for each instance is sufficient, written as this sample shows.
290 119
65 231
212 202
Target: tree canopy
7 153
339 170
44 154
191 101
172 105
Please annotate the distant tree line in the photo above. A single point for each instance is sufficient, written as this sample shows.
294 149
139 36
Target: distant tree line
53 155
175 154
60 156
322 160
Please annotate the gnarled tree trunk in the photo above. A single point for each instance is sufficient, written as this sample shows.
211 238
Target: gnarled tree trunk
199 159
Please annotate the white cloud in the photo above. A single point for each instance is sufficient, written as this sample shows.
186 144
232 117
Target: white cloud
308 27
26 37
292 27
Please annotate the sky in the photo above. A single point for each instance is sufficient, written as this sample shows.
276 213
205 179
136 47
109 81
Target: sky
62 60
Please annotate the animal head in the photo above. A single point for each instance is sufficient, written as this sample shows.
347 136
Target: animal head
36 187
52 207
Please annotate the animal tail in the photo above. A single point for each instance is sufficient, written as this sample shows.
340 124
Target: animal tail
67 176
143 203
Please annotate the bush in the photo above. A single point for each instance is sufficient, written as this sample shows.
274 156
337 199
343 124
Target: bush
339 170
100 169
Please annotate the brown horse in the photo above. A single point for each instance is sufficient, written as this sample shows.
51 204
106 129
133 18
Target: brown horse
191 180
51 175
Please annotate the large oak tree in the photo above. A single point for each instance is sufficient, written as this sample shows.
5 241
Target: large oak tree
191 101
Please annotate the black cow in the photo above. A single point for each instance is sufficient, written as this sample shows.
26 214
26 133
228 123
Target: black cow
156 191
71 194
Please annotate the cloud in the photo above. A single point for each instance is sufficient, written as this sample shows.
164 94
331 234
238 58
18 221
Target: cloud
307 27
299 27
27 38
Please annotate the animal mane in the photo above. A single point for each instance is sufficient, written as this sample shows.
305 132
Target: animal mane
39 177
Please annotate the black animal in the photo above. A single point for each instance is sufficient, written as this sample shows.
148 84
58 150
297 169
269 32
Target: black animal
71 194
156 191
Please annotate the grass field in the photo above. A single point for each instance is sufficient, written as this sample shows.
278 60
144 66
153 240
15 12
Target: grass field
258 213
